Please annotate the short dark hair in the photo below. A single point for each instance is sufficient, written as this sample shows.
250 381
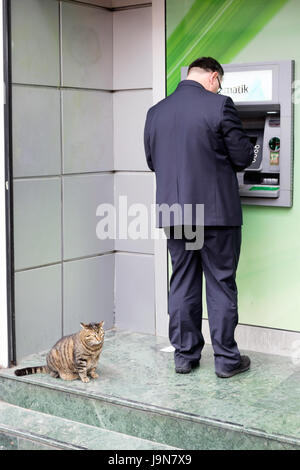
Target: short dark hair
209 64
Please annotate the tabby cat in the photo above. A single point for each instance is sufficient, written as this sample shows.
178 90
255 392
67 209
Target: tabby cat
73 356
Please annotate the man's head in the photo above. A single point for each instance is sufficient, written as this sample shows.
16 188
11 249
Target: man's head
208 72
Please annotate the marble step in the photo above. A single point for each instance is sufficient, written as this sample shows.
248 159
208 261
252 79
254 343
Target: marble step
135 424
139 394
24 429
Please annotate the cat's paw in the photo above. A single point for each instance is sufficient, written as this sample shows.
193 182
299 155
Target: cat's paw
94 375
85 379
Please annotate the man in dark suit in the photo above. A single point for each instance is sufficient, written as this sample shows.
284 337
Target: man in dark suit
195 143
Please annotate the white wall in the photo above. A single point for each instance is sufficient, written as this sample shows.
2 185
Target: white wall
3 297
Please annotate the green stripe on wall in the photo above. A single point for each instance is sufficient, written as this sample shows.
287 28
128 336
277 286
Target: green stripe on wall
222 29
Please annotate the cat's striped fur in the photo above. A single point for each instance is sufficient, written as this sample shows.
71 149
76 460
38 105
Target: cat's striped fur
74 356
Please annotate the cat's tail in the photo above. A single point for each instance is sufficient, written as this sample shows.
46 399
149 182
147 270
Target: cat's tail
32 370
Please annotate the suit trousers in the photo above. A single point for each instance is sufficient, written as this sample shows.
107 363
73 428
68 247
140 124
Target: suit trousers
218 260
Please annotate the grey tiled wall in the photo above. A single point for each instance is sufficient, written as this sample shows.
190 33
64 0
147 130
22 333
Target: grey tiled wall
132 61
36 131
86 47
63 168
35 42
81 88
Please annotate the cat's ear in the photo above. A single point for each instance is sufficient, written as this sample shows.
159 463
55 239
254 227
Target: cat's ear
101 323
83 325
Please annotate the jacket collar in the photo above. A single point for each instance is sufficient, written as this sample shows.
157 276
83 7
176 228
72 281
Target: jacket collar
190 83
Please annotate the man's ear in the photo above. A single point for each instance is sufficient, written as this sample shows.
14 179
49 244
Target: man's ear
214 75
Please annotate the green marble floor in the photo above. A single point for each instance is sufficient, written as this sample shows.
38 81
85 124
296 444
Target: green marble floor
134 370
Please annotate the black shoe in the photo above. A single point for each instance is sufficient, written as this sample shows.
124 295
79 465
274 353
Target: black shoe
186 367
244 365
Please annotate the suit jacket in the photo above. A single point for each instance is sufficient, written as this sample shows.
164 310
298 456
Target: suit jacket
195 143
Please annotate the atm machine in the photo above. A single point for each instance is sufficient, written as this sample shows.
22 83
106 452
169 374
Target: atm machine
262 94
